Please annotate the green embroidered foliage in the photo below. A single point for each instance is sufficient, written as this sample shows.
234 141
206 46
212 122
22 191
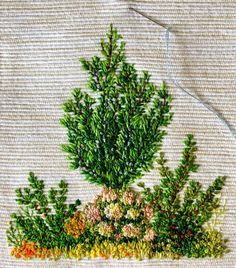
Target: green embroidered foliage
113 139
180 222
163 222
41 217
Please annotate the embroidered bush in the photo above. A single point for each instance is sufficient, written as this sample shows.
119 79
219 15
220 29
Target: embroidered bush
112 140
41 217
180 221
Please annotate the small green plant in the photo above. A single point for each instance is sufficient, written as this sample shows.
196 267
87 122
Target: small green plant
42 217
180 222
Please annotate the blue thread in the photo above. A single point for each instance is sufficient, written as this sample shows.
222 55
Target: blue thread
170 73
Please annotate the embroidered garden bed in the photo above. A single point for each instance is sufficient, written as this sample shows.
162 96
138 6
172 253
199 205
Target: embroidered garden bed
113 140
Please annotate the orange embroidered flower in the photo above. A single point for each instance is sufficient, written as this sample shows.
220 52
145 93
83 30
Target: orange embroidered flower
76 225
29 250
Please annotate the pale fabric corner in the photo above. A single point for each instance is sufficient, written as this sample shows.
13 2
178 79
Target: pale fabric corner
41 42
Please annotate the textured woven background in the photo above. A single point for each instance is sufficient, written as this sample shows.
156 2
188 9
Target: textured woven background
41 42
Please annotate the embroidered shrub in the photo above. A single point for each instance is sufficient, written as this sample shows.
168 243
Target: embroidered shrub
114 138
180 222
41 217
159 215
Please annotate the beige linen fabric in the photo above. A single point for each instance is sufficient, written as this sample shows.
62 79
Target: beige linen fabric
41 42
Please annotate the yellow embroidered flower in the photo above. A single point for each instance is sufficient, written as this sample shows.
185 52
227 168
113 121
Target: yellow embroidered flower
132 213
105 229
113 211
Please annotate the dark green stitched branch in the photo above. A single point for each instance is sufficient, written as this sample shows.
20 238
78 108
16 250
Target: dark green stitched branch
173 182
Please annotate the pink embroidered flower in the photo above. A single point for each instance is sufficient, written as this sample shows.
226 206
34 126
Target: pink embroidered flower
129 230
113 211
108 195
92 213
118 237
149 235
128 198
148 211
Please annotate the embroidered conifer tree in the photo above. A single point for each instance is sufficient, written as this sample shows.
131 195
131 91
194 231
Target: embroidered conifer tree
113 139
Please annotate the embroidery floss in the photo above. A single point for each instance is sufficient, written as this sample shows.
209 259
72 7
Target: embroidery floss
170 71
